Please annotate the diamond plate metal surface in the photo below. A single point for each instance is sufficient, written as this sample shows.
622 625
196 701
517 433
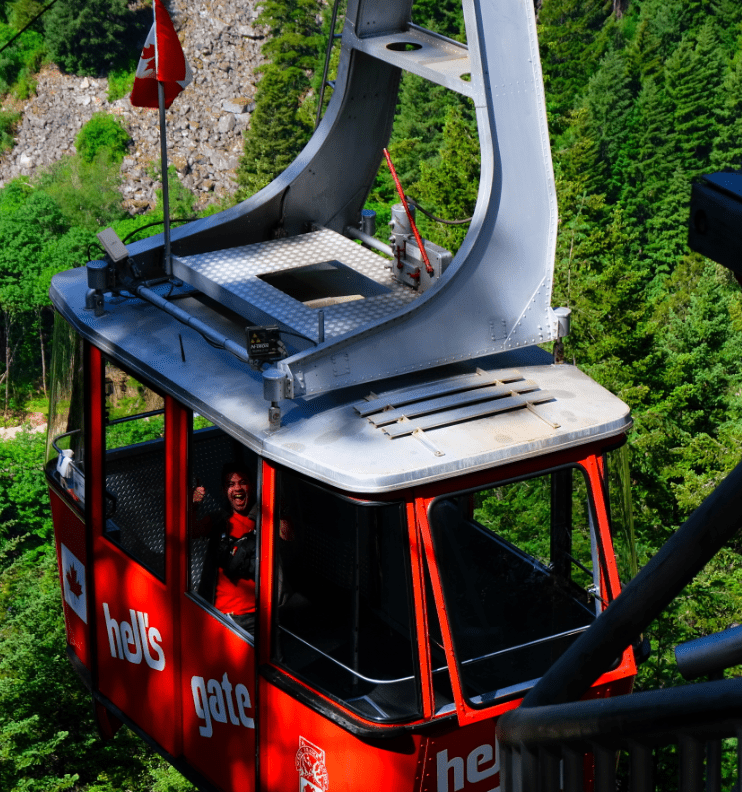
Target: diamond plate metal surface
231 276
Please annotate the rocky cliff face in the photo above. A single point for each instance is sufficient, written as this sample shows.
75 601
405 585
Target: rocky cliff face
205 123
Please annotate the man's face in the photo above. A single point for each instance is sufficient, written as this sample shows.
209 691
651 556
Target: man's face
237 488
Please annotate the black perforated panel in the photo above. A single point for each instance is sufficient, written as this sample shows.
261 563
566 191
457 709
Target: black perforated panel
135 476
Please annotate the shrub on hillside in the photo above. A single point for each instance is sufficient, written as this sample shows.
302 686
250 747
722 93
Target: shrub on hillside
86 192
22 59
102 131
121 81
21 12
8 120
86 36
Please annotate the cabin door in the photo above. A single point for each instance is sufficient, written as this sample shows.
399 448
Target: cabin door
136 627
217 656
166 658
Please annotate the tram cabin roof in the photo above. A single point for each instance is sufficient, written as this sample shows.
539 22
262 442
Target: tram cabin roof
371 438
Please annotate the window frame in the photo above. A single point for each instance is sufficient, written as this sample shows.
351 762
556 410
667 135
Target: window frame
590 459
598 572
280 674
166 411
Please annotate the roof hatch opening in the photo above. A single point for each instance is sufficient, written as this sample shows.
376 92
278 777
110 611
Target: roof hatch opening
323 284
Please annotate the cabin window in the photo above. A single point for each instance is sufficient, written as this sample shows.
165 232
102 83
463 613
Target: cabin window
344 621
211 450
521 577
622 519
65 453
135 468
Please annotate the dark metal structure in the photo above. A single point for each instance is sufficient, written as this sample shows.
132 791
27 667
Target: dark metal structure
716 219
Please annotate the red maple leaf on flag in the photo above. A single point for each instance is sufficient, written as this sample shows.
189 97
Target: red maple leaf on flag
162 62
147 61
73 582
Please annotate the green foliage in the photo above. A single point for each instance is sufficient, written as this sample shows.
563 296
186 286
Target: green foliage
8 120
727 151
20 61
649 160
25 231
48 741
23 11
279 128
448 185
276 135
86 36
131 432
86 192
182 200
294 42
694 70
103 131
24 502
441 16
608 101
570 49
120 82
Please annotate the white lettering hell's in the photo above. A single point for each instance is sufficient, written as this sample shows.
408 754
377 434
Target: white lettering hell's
134 640
448 770
214 701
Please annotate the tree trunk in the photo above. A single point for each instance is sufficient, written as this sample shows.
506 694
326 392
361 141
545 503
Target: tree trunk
43 350
7 361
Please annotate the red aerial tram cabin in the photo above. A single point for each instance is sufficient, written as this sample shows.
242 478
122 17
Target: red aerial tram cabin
430 489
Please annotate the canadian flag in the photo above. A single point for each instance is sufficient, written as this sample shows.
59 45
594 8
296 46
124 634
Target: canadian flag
163 61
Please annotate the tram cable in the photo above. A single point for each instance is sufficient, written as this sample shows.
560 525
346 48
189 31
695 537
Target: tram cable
28 25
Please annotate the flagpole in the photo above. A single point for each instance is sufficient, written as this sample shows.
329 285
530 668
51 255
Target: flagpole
165 191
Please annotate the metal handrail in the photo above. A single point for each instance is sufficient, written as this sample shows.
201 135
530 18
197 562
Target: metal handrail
551 719
72 463
345 667
136 417
553 740
59 437
565 634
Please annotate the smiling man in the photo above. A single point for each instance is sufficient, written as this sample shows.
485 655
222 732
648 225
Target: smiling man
229 571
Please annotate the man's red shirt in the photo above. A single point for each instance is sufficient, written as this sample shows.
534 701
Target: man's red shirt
237 598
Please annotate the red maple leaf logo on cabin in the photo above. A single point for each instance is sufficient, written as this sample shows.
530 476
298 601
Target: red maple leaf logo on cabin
73 582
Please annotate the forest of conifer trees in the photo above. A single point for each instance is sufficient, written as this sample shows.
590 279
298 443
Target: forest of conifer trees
643 97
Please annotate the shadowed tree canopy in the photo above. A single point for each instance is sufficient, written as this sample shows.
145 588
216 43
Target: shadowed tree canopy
86 36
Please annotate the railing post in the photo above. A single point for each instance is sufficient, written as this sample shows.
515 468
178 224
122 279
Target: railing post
528 769
574 770
691 764
641 777
605 769
506 768
713 766
549 771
